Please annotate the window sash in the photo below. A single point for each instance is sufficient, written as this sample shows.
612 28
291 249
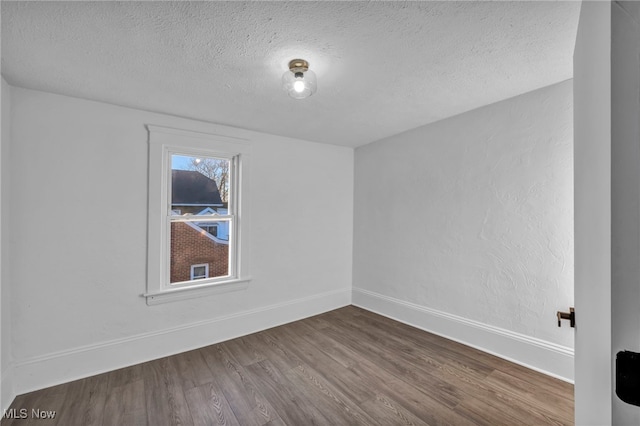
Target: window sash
234 181
202 218
230 217
232 259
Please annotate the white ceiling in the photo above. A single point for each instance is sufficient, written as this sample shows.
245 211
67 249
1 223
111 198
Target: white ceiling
382 67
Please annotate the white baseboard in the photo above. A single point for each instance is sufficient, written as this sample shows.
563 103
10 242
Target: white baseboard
61 367
545 357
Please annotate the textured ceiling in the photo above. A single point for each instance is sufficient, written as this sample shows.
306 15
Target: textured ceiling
382 67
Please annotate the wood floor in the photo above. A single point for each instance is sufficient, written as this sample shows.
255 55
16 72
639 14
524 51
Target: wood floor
345 367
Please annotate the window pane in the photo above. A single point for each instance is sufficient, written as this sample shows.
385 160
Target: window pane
199 185
194 244
199 271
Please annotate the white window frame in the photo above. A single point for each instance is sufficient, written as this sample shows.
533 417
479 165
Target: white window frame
163 143
200 265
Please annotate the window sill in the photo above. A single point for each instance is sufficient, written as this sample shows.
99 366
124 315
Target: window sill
182 293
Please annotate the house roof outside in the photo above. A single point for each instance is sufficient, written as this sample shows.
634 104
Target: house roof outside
190 188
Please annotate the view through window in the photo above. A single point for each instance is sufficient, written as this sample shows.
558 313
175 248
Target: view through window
200 217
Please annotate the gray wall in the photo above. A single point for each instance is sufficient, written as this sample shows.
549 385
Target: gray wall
77 278
472 218
6 387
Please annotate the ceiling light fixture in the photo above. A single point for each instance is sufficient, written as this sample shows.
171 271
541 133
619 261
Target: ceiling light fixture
299 82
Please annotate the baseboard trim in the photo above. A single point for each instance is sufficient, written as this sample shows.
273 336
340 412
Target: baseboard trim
543 356
61 367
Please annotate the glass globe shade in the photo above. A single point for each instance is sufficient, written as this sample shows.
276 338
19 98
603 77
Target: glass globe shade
299 84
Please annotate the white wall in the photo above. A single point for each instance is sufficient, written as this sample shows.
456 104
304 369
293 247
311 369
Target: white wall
625 191
6 387
78 210
464 227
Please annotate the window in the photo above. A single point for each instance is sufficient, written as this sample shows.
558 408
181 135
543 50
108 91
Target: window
199 272
198 223
201 186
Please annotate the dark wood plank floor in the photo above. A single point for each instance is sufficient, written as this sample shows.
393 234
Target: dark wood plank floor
345 367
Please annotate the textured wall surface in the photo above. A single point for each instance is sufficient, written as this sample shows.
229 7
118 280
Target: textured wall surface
223 61
77 279
473 215
5 288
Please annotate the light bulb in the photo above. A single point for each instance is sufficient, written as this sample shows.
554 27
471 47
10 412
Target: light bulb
299 81
298 86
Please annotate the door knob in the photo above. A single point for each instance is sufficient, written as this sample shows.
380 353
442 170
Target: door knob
571 316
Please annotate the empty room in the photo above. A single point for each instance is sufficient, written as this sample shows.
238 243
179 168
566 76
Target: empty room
320 212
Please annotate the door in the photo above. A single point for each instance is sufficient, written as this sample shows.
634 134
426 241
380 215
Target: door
592 198
625 192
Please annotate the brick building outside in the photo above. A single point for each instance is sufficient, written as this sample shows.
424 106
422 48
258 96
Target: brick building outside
191 245
199 250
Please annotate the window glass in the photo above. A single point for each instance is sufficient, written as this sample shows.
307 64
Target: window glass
199 181
191 244
199 216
